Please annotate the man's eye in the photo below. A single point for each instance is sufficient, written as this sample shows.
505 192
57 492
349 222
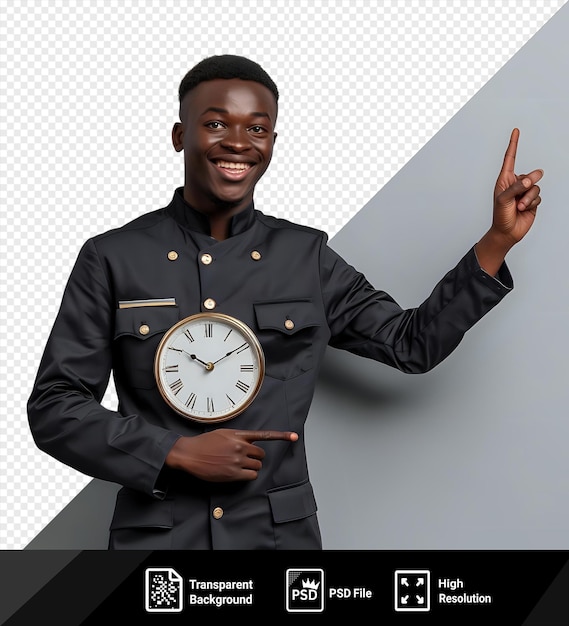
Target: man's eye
214 125
257 129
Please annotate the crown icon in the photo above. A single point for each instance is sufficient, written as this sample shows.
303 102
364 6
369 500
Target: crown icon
310 584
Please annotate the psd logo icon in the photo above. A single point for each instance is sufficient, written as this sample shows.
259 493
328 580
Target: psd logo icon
304 590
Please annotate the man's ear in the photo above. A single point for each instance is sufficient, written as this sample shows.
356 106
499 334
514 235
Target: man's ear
274 138
178 136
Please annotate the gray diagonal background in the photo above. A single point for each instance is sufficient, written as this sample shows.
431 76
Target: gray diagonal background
474 454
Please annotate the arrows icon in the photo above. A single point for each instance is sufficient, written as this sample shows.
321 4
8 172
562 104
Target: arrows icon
412 590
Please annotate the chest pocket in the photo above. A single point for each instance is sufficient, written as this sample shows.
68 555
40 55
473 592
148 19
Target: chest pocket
287 331
138 332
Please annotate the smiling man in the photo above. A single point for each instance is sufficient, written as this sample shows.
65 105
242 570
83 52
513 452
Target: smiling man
227 135
193 306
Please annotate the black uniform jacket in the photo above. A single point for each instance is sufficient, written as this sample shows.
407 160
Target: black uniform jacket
293 274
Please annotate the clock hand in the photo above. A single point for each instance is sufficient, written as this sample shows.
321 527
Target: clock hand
229 353
208 366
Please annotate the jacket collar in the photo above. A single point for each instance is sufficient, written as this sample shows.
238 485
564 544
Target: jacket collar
188 217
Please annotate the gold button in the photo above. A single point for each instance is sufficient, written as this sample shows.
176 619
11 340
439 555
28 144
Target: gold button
255 255
209 304
144 329
218 512
206 259
289 324
172 255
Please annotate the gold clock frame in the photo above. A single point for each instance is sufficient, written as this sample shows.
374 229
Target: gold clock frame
231 321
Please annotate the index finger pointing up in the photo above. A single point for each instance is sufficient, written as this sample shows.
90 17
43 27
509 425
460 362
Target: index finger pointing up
510 156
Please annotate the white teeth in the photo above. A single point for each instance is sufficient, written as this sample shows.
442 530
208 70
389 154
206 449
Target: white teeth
230 165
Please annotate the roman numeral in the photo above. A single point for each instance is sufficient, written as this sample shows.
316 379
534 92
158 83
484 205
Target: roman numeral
242 386
175 349
191 401
171 368
176 386
229 333
246 368
209 329
231 401
242 347
210 408
188 336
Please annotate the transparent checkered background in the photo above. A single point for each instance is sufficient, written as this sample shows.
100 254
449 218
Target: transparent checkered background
88 101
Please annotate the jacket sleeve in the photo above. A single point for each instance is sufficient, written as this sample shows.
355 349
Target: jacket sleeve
65 413
370 323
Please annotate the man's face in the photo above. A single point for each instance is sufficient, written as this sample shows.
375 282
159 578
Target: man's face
227 134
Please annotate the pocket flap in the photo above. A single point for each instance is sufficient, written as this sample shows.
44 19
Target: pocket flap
141 511
291 503
287 316
145 322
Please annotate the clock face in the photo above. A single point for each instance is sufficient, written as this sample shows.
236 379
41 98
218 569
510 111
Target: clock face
209 367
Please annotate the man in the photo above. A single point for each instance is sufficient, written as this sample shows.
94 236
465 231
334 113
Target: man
243 484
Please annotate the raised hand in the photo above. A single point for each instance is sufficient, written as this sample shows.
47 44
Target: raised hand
516 198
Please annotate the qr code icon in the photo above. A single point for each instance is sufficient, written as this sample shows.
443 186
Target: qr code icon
163 590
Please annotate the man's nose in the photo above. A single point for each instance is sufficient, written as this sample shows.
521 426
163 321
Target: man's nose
236 139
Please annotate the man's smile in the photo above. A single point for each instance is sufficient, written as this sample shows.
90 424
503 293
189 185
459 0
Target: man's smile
232 165
232 169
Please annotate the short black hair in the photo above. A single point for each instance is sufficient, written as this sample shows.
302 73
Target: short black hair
226 66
